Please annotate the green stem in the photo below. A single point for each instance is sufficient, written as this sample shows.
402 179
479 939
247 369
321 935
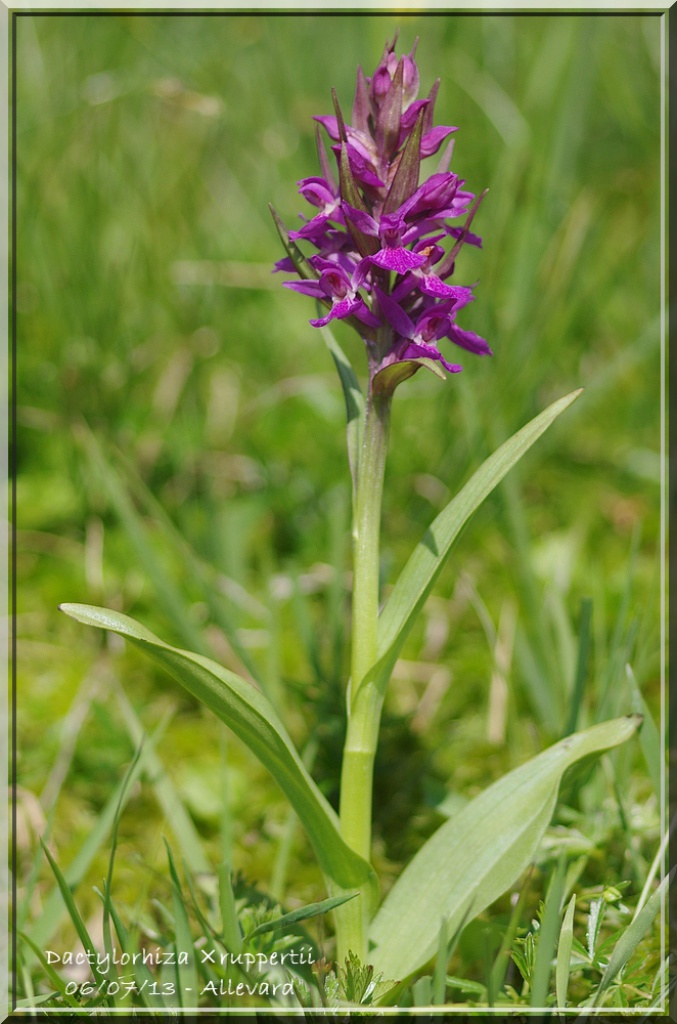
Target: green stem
366 536
364 705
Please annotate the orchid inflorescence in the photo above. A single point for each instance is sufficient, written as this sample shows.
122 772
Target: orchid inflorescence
380 263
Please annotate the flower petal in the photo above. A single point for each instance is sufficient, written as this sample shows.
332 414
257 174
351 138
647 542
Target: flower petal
431 284
348 307
286 264
312 288
468 340
395 315
364 222
432 141
468 237
399 259
414 349
330 124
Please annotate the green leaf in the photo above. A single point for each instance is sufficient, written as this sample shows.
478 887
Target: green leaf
576 698
58 982
439 982
111 971
145 983
167 594
547 936
631 938
301 914
75 915
419 574
303 268
230 924
595 918
496 978
479 853
387 379
43 928
649 737
251 717
186 973
354 399
566 938
165 793
422 991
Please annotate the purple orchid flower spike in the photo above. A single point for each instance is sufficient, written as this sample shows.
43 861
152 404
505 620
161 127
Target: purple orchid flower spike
386 242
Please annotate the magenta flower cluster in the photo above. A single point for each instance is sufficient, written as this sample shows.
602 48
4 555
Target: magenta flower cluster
381 263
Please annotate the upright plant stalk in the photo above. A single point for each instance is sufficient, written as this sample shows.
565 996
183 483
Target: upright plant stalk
380 265
366 535
364 704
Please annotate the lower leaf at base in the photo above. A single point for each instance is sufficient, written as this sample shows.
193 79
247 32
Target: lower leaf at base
479 853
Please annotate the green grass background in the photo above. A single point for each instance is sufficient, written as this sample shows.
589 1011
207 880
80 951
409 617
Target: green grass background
168 387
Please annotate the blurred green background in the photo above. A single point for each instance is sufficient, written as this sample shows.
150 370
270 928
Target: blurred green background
181 429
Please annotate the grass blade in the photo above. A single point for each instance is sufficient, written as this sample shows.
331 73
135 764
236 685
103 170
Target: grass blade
75 915
439 980
145 982
547 936
200 574
230 925
649 737
58 983
44 927
186 973
581 665
631 938
302 914
167 797
166 593
657 865
111 971
566 938
500 966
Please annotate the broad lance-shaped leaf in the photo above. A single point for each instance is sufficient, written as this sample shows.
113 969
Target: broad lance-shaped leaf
251 717
419 574
479 853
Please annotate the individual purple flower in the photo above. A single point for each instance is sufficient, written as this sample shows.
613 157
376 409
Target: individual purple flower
336 284
385 242
392 255
417 339
427 281
434 323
